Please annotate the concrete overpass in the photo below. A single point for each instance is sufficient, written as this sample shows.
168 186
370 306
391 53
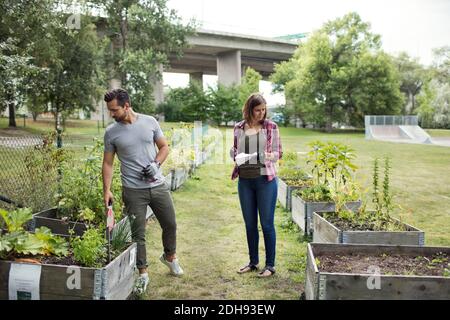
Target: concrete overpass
224 54
227 54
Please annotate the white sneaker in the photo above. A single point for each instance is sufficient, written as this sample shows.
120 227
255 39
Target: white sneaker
174 266
141 284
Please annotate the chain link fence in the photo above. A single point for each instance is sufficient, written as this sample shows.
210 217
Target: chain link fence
28 172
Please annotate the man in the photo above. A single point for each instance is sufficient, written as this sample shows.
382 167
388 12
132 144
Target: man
133 138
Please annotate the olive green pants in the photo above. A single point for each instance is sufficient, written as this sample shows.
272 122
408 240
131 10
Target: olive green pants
160 201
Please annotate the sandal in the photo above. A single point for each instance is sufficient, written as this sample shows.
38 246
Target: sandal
264 274
248 268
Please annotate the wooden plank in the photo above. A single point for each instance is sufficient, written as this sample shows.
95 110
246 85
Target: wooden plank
282 192
4 276
324 231
54 281
354 287
311 276
120 268
298 212
122 290
168 179
179 177
48 218
406 238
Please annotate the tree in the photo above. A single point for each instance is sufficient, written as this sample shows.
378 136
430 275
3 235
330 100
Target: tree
144 34
195 103
24 29
340 74
249 85
434 99
441 64
14 68
425 102
74 75
225 104
412 77
284 73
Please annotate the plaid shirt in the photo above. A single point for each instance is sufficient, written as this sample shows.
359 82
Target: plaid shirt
273 145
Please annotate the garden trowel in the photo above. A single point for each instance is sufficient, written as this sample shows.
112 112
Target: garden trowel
109 227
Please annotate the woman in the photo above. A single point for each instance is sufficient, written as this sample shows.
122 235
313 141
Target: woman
256 149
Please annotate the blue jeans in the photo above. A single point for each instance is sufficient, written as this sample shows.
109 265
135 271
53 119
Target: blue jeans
259 195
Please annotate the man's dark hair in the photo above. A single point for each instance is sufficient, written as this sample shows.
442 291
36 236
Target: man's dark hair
120 94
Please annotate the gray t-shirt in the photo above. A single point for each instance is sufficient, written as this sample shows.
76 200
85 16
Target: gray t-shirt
135 147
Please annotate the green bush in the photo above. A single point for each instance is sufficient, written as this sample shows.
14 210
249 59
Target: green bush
89 250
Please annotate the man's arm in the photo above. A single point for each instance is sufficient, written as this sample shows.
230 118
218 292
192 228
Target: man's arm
163 148
107 173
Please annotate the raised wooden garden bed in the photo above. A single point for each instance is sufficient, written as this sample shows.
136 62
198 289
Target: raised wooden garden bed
115 281
302 211
179 176
326 232
168 179
285 194
48 218
393 281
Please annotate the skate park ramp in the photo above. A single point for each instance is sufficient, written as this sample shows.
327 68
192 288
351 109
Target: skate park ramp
400 129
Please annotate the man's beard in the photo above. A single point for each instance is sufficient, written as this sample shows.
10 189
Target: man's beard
122 118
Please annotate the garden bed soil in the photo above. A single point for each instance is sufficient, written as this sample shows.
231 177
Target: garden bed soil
429 265
349 226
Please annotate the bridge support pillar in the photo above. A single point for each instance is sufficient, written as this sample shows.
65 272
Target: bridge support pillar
229 67
158 87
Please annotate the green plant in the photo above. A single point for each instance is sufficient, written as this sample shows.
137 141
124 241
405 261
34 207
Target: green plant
89 250
53 245
332 167
315 193
294 176
81 194
17 241
14 220
382 199
122 234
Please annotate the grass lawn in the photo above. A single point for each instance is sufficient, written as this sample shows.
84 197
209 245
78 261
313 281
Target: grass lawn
211 246
420 176
437 133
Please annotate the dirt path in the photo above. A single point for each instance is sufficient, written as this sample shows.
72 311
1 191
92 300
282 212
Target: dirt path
212 246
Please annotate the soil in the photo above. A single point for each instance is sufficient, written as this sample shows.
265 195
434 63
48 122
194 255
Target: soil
346 225
63 261
430 265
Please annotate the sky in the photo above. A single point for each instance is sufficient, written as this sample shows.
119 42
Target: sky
414 26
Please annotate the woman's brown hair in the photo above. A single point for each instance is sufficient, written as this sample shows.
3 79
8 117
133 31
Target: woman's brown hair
255 99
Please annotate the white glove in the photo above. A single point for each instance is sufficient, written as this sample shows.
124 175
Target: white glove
241 158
